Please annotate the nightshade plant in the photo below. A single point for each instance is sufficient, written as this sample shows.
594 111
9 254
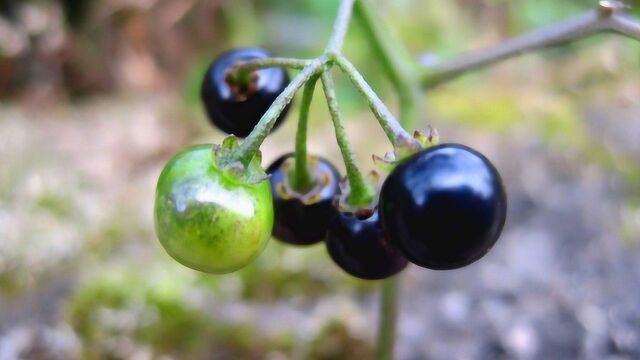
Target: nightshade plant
441 207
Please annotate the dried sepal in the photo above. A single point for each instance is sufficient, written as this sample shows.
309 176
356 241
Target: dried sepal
404 149
311 196
428 138
241 83
385 163
341 201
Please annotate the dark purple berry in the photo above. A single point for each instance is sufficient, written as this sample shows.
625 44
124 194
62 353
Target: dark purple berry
444 207
302 218
237 108
359 247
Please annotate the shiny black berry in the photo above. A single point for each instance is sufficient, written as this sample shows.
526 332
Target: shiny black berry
444 207
302 218
359 247
237 108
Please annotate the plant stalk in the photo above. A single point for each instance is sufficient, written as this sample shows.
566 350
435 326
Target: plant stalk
361 193
387 321
604 19
396 61
251 144
391 127
340 26
256 64
301 179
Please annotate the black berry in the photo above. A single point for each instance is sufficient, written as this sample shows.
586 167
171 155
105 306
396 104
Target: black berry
359 247
302 218
444 207
237 108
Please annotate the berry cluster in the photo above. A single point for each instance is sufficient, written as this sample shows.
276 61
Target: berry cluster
441 206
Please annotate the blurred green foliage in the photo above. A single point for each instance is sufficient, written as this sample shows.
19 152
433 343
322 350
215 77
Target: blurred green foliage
121 304
335 343
157 307
59 205
497 107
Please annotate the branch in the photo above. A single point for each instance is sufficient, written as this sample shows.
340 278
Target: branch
256 64
301 178
626 25
396 62
340 26
394 131
251 143
387 321
608 17
361 193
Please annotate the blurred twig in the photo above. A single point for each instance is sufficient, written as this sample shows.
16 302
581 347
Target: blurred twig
387 321
396 61
609 17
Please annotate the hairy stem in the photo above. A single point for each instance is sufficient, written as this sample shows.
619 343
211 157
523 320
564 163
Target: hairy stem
340 26
251 144
603 19
255 64
387 320
361 193
301 179
396 62
394 131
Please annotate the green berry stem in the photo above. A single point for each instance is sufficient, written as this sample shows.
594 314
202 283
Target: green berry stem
251 145
340 26
394 131
361 193
387 321
256 64
396 61
301 178
242 72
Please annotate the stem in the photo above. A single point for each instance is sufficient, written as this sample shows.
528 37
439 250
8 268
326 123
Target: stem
340 26
301 179
256 64
361 193
251 145
396 62
398 66
394 131
626 25
387 320
604 19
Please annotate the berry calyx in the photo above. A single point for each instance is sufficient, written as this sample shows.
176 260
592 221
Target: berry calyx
235 101
302 218
360 248
422 140
207 219
443 207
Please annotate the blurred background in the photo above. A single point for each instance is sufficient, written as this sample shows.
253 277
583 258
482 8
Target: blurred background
96 95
